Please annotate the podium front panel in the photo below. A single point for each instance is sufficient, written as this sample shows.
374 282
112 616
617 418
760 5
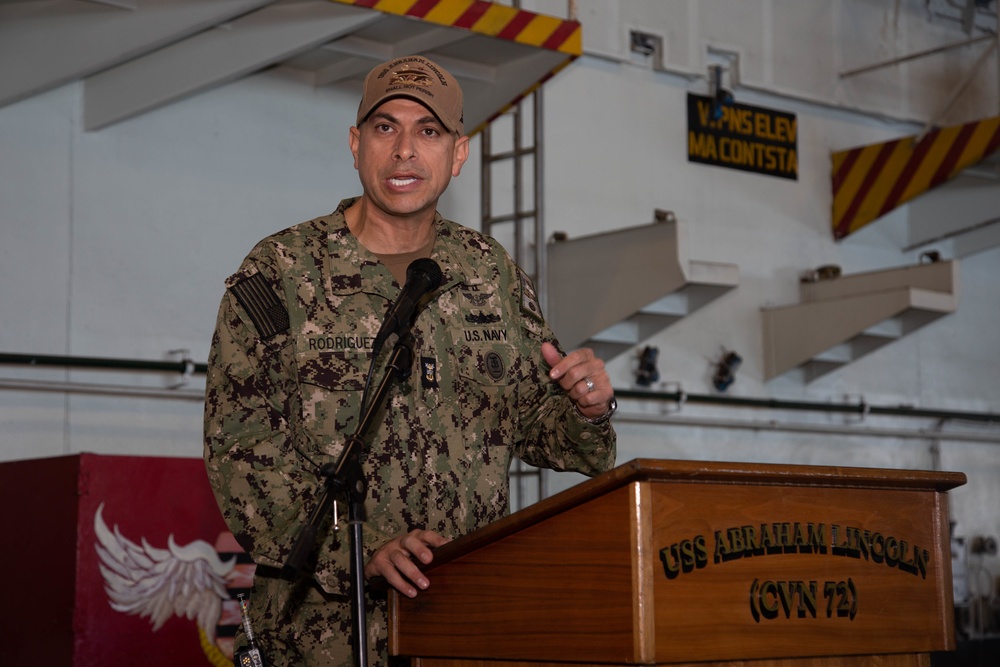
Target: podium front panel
683 562
751 571
562 587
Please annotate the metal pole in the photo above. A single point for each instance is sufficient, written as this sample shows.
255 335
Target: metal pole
966 80
934 434
518 185
103 363
914 56
541 249
485 180
861 408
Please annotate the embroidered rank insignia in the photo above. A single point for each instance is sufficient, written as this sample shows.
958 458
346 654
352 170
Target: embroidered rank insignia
269 315
529 302
477 299
428 372
482 318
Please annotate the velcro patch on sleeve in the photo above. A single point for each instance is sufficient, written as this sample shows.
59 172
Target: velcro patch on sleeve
269 315
529 301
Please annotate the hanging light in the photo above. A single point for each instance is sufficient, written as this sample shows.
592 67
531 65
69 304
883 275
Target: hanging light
725 370
648 373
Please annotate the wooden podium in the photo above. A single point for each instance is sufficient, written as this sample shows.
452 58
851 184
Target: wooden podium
680 562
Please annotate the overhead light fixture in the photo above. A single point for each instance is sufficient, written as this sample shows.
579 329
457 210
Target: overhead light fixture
721 97
983 545
825 272
930 257
725 370
661 215
648 373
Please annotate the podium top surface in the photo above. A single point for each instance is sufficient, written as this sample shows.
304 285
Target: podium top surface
701 472
776 474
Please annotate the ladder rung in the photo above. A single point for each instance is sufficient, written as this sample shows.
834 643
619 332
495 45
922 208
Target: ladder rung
520 152
510 217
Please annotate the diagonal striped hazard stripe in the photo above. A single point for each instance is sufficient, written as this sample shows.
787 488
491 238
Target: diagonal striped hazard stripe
487 18
869 181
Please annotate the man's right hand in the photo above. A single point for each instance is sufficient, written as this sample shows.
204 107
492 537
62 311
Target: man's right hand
394 560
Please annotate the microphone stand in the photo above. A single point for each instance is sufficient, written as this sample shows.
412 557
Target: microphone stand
345 478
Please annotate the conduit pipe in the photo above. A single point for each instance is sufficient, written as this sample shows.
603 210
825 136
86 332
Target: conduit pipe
861 408
679 397
125 391
184 366
933 434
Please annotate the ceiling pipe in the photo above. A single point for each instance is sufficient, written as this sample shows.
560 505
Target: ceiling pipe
914 56
97 389
861 408
679 397
184 366
935 435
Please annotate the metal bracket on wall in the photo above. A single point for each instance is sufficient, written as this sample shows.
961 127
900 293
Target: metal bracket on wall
842 319
649 284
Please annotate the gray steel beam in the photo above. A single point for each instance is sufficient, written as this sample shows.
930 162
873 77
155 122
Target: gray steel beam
214 57
44 45
964 211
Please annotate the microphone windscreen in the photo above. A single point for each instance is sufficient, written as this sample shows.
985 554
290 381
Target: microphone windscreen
430 270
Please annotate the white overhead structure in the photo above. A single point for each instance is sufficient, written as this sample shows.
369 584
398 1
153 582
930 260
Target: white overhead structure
949 183
841 319
963 213
650 285
47 44
138 55
943 187
214 57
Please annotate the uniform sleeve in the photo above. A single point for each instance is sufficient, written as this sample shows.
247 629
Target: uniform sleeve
554 434
264 482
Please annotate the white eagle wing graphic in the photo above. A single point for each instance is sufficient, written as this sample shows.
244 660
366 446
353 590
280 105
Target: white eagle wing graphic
187 581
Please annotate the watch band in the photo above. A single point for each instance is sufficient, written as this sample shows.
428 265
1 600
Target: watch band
612 407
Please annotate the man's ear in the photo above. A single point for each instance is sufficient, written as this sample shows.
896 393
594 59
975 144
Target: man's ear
461 155
354 141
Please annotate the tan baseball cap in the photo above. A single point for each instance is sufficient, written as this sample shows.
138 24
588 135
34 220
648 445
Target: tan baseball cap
416 78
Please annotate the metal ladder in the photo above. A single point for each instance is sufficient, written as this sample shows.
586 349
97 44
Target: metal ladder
523 230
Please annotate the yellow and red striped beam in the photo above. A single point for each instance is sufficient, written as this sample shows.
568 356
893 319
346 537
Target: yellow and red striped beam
870 181
487 18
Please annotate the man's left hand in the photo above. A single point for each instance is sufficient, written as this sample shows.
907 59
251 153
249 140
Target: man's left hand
583 377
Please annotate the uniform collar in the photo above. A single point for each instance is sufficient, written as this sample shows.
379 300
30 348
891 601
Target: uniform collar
373 276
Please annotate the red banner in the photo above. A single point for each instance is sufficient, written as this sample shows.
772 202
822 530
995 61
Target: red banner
122 561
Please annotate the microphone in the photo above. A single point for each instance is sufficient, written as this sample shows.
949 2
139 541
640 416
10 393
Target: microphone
422 276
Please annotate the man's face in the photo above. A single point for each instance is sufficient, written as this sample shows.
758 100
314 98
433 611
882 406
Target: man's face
405 157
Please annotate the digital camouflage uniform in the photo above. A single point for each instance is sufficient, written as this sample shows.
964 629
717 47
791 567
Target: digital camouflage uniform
283 392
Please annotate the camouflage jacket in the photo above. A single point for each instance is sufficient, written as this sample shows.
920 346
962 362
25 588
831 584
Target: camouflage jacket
283 392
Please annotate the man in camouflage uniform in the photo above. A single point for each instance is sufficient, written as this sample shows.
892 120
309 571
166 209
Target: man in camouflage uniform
291 354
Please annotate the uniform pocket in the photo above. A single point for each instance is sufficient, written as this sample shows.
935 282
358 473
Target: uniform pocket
334 371
488 365
330 386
